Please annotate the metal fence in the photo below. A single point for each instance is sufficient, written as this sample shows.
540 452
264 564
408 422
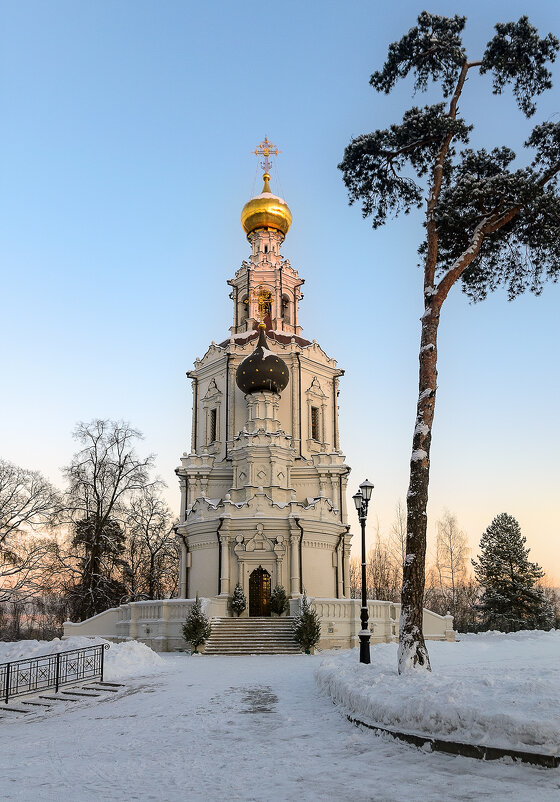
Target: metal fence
51 671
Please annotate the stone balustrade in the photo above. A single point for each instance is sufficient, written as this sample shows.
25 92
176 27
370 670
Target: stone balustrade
159 623
156 623
340 622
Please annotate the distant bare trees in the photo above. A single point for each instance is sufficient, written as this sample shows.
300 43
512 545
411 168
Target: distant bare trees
383 570
30 508
122 544
449 587
397 533
451 558
109 537
102 478
151 549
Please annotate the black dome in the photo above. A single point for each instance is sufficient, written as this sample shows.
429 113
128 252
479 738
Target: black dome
262 370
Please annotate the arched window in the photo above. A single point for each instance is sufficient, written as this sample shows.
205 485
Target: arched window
286 309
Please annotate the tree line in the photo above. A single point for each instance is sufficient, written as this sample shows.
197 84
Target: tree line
107 538
507 591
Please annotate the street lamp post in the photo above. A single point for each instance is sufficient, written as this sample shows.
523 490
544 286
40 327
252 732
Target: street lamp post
361 500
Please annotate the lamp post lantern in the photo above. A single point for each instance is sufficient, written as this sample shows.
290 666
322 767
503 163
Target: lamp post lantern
361 500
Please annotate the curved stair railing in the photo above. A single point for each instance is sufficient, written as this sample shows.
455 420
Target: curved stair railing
32 674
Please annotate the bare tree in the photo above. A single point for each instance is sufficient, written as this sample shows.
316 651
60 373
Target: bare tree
28 502
355 577
151 547
26 567
102 477
30 507
383 572
451 558
397 533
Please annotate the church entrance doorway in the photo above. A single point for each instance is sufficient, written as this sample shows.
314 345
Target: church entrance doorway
259 592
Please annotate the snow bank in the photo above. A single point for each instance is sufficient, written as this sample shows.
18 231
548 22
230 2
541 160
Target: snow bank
122 660
490 689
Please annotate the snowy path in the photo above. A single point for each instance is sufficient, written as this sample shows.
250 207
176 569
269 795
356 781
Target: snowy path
219 728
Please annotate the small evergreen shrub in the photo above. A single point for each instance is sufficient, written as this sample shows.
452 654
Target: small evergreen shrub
279 600
307 626
238 600
197 627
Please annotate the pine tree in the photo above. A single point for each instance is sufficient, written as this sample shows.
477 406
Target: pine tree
278 600
510 600
238 600
307 626
197 627
490 220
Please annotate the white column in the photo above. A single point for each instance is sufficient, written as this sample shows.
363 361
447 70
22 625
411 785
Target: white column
133 626
336 445
225 566
164 631
340 569
183 486
346 569
183 571
294 565
279 571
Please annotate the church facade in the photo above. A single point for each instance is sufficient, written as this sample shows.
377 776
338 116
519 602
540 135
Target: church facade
263 488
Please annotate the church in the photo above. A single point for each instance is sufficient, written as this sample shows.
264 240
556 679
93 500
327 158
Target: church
263 487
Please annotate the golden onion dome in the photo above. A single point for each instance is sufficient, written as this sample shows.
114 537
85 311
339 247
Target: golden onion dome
266 211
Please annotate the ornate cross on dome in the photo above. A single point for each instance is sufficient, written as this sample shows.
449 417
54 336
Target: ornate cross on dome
266 149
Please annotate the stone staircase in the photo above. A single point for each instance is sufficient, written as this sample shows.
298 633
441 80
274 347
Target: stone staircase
238 636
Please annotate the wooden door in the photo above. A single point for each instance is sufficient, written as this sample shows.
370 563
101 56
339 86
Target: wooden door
259 592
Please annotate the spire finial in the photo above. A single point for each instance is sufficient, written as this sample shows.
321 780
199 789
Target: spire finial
266 149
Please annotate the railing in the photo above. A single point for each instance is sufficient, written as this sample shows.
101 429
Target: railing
51 671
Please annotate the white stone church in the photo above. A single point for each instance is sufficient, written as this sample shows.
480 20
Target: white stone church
263 489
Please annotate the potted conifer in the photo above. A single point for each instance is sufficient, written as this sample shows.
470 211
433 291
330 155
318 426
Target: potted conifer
197 627
278 600
307 626
238 600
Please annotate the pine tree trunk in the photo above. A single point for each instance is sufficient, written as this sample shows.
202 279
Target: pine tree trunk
412 648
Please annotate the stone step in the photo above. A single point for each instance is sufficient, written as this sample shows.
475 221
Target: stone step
252 631
253 620
263 635
250 648
226 628
251 627
250 634
270 635
250 645
248 652
230 634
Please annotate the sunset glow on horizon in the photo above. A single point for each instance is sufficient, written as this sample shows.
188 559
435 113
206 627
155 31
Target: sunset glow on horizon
127 158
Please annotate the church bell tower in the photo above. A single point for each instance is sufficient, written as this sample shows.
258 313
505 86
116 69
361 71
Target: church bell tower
263 488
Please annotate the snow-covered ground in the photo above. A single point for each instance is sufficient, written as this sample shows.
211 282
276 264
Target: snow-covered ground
246 728
490 689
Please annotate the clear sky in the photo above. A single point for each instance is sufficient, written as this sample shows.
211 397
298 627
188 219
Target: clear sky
125 145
